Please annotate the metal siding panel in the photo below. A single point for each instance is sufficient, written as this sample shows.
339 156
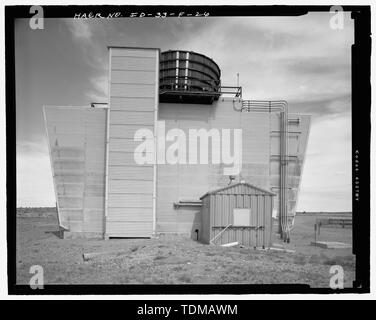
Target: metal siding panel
132 77
131 172
253 219
132 118
70 189
134 64
130 201
131 104
73 115
130 186
121 159
77 140
205 226
211 211
129 214
76 127
68 153
129 228
126 158
56 115
132 90
126 131
133 52
126 145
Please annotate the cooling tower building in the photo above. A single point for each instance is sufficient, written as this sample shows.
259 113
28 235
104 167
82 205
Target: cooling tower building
169 135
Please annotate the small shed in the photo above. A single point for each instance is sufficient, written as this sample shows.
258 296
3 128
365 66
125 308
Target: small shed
237 213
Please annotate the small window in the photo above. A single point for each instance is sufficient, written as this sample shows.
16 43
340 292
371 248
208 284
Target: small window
242 217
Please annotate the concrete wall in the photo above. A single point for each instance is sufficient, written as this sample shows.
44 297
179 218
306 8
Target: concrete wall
77 144
260 159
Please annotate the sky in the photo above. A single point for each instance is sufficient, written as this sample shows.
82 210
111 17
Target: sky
298 59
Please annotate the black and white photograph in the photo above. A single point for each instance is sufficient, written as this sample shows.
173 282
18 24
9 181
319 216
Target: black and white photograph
188 149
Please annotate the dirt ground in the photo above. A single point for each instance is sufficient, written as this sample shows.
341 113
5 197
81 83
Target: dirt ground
176 260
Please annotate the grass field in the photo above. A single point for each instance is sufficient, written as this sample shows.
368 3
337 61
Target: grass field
176 260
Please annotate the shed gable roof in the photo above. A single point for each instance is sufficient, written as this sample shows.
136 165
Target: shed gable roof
248 185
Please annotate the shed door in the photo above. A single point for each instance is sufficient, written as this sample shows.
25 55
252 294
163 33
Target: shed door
242 217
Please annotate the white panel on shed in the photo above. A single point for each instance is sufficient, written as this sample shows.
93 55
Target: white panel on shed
242 217
133 100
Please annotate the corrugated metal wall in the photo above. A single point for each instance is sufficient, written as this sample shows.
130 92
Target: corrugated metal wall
76 138
133 98
220 207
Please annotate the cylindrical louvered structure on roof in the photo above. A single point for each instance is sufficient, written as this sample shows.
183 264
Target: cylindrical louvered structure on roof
188 77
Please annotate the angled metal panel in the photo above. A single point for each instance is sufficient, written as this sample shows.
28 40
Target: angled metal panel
76 144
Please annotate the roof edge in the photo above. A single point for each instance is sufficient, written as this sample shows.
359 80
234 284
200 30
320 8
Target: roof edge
136 48
237 184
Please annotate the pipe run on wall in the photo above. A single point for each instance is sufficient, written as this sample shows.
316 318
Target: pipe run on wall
281 107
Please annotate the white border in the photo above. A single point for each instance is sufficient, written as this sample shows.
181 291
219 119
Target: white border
3 247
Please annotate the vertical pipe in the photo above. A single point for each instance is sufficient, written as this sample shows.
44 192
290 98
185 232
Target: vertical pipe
177 70
105 236
283 177
264 221
155 143
282 108
186 71
271 199
280 217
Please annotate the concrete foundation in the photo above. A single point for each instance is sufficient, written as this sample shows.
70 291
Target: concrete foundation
331 245
82 235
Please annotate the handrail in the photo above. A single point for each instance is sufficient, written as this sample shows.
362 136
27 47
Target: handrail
212 240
